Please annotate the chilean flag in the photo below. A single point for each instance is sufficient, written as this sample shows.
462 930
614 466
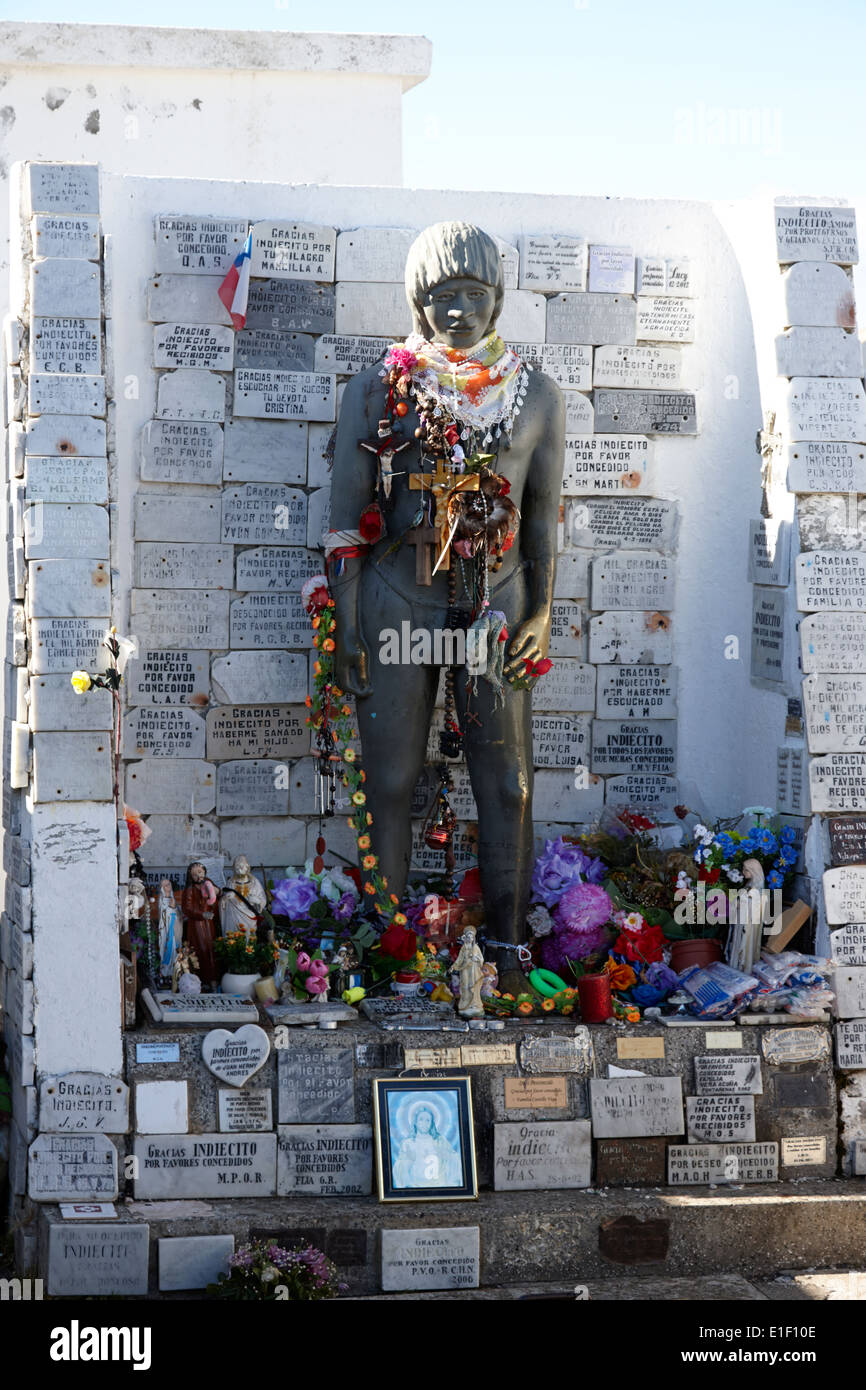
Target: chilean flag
235 288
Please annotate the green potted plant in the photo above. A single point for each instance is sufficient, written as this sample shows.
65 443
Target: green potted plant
243 961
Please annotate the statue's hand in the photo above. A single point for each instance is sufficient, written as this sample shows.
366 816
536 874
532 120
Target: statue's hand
529 643
352 663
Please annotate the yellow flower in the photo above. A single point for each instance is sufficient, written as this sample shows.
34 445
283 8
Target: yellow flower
349 754
81 682
359 799
353 996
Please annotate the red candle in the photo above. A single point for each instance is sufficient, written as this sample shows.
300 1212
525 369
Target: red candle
407 977
594 994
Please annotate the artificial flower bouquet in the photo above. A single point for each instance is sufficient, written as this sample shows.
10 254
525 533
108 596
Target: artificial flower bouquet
722 854
263 1271
238 954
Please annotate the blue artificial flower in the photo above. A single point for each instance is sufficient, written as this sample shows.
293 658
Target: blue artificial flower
646 995
774 879
787 855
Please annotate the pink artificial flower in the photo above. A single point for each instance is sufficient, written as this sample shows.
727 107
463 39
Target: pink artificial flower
401 357
316 984
318 967
304 961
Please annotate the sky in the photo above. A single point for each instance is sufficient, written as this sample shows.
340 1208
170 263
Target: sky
674 98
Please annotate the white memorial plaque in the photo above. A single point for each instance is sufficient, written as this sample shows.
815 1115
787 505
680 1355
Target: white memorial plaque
189 298
198 245
641 368
722 1163
257 731
188 394
845 894
552 262
273 349
719 1075
64 530
235 1057
567 629
837 782
650 412
631 637
567 797
158 677
816 234
835 712
716 1119
80 435
65 288
849 984
68 589
578 414
769 551
270 620
372 310
67 644
252 787
572 574
244 1110
440 1257
373 253
265 451
826 408
180 839
62 1167
348 355
62 188
652 791
533 1155
634 1106
324 1160
851 1045
84 1101
168 731
833 642
179 566
639 523
291 306
831 522
181 451
591 318
274 395
631 745
569 684
204 345
65 345
606 463
276 569
815 351
636 692
834 579
560 740
171 785
273 675
56 393
611 270
570 364
665 319
176 517
269 513
848 944
165 618
293 251
206 1165
523 317
632 579
278 841
818 296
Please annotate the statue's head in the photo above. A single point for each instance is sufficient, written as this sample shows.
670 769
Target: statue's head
196 873
468 937
454 283
165 886
241 866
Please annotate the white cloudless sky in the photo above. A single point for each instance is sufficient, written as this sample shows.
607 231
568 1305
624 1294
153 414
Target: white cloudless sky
644 98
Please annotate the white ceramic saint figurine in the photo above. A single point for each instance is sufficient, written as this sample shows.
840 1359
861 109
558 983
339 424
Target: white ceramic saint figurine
170 928
469 966
242 899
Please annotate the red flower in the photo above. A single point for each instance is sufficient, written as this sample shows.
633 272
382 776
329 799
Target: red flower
372 524
645 946
470 885
709 875
507 543
543 666
504 488
681 812
398 942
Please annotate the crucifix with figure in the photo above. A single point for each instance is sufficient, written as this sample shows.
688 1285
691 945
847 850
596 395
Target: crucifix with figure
441 484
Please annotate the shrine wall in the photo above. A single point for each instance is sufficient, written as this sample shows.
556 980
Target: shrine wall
693 496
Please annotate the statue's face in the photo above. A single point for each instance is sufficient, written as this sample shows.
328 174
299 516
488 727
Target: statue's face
197 873
424 1121
242 866
459 311
165 885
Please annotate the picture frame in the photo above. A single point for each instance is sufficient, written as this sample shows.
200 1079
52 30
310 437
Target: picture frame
425 1139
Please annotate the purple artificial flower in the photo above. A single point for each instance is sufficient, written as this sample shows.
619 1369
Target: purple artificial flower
293 897
342 910
579 920
661 976
561 865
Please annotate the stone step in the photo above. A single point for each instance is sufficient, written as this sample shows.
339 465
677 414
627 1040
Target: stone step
719 1288
558 1237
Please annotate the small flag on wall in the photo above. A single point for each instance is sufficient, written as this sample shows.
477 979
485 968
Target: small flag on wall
235 288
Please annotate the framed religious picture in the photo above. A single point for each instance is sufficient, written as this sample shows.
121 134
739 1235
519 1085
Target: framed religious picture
425 1143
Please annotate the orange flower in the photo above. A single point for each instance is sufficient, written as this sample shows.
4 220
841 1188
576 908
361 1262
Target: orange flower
525 1007
547 1005
317 669
568 1008
369 816
394 899
351 825
346 710
363 841
316 622
368 888
309 702
369 861
332 603
508 996
400 919
328 645
622 977
359 799
384 882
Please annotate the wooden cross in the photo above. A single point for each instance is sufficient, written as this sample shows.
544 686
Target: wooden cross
441 483
425 540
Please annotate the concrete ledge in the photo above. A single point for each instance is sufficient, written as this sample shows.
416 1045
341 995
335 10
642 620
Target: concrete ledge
559 1237
119 45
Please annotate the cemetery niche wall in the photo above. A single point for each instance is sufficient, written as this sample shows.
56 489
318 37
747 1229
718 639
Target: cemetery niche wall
170 474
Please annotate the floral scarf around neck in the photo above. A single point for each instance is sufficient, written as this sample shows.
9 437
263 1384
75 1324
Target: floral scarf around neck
479 386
